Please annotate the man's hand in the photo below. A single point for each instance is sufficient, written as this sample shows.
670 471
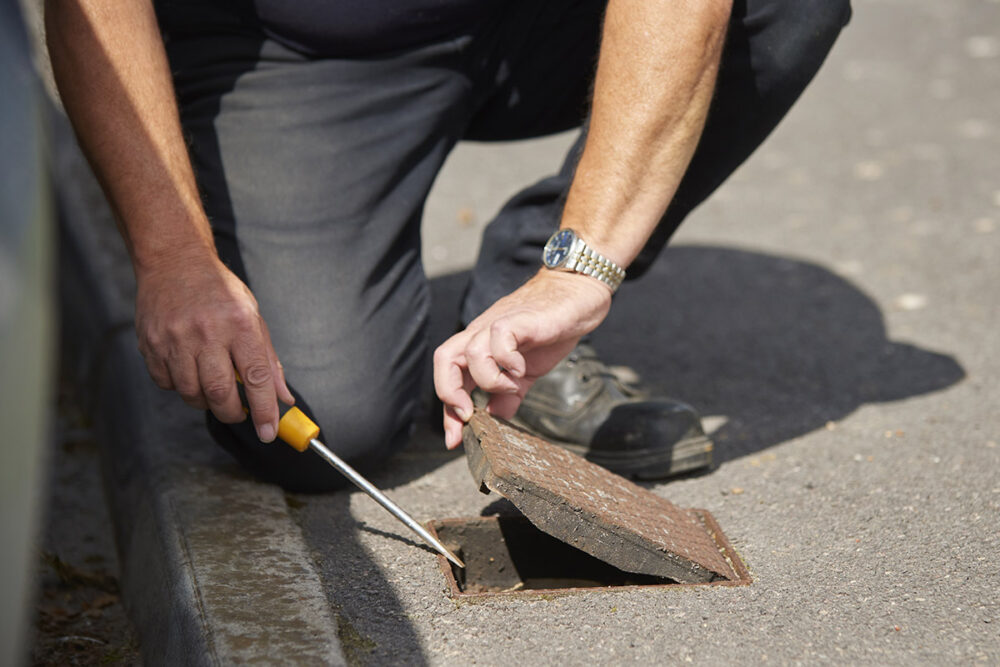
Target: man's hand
519 339
196 321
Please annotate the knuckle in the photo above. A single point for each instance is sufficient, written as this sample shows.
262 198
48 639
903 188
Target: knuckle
243 316
159 375
478 348
150 341
257 374
201 327
189 394
442 355
160 380
175 329
186 384
216 392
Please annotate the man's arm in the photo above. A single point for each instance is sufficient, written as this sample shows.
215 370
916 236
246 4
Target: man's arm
195 319
655 77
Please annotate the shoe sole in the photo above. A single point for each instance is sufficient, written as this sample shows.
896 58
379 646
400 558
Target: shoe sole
690 454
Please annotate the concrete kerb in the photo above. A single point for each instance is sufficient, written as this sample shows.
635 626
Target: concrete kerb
214 569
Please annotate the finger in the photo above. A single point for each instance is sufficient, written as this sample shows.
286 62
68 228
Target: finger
250 356
280 385
453 425
184 376
504 349
530 332
459 400
505 405
218 385
484 369
159 372
450 380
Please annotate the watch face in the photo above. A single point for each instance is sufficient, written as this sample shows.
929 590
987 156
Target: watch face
557 249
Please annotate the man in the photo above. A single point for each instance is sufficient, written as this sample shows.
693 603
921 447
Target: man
307 138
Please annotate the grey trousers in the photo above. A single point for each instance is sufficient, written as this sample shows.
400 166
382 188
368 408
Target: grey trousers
314 172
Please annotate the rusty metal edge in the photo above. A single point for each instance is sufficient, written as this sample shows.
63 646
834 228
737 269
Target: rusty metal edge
449 576
674 561
743 577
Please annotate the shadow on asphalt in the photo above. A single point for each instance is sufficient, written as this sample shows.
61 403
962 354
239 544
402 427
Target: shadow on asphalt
372 623
777 346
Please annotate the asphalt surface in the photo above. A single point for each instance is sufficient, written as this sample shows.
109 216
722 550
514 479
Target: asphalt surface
832 310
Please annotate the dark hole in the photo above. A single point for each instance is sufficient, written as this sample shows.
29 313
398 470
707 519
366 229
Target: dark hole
508 553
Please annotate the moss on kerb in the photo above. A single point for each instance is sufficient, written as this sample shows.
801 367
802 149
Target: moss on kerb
258 593
356 646
294 502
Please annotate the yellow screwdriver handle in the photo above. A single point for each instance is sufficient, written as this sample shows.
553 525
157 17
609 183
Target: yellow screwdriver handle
294 427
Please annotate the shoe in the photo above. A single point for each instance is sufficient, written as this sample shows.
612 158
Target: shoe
604 416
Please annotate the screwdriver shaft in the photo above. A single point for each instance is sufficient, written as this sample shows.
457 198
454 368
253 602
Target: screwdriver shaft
382 500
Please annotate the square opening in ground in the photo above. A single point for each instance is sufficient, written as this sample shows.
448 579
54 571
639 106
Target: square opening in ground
507 555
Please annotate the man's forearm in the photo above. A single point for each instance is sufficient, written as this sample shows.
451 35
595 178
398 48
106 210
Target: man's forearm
113 77
655 78
197 323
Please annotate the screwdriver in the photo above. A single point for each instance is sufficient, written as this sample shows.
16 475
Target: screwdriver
299 432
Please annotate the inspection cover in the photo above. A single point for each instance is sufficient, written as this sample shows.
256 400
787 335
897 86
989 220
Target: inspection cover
589 507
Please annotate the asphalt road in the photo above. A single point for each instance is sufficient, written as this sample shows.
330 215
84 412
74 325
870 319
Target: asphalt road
834 309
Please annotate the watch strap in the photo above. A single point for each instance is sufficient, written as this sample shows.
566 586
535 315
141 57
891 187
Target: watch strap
584 259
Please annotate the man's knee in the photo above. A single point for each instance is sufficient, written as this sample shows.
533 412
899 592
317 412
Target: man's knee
368 423
798 38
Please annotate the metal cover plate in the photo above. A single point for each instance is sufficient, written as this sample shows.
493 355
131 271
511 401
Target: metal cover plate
589 507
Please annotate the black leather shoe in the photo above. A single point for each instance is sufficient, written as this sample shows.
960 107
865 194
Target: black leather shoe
587 408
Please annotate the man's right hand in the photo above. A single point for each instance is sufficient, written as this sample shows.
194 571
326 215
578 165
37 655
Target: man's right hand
198 324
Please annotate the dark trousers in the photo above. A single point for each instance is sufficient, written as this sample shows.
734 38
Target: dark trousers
314 173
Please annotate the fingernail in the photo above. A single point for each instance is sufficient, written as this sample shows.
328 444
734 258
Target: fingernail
266 433
463 414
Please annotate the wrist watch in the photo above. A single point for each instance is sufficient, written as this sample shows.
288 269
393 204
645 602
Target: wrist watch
566 251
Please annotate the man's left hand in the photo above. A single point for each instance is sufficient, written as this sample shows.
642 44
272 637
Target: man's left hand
517 340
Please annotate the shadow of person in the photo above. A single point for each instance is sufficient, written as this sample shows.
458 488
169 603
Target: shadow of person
372 622
777 346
